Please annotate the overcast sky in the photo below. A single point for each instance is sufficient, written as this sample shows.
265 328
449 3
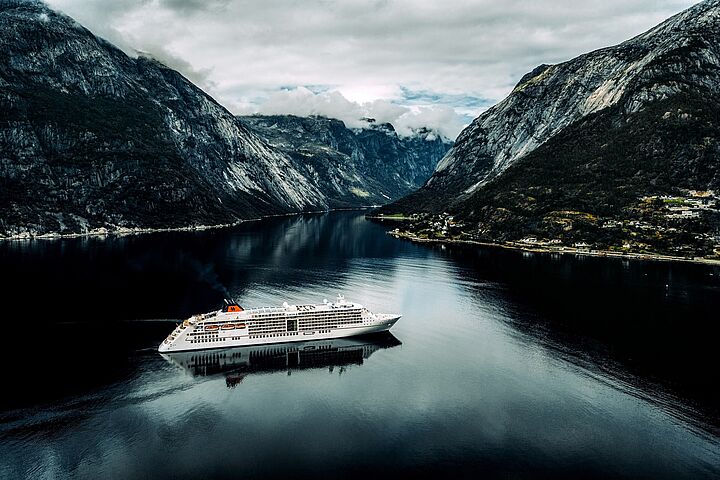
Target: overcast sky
412 62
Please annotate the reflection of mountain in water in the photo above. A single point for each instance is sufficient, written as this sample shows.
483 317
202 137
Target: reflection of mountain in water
238 362
649 325
193 271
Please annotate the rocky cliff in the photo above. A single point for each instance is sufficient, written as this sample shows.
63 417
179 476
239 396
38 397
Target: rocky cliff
608 138
93 139
353 167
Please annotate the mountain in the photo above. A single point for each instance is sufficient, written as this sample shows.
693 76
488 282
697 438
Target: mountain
93 139
353 166
618 148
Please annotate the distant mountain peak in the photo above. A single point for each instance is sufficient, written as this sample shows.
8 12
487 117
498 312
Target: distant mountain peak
386 127
367 165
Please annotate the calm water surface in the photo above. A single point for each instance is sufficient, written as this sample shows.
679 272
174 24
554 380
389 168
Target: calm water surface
503 365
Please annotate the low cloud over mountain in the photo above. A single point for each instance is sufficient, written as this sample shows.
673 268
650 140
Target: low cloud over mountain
301 101
244 52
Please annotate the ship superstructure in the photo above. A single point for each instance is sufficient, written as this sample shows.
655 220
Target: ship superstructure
234 326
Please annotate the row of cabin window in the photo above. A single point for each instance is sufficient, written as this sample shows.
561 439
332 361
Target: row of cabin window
303 325
327 320
307 319
206 340
276 335
325 325
331 320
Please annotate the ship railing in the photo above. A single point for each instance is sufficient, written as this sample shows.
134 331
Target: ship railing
267 309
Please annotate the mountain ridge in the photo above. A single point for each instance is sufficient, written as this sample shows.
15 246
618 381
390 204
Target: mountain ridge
587 119
93 140
519 133
373 165
83 123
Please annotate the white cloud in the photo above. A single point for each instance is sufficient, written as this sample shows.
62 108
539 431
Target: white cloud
243 51
441 119
301 101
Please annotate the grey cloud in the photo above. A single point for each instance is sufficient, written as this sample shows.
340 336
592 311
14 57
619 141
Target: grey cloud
245 51
201 77
194 6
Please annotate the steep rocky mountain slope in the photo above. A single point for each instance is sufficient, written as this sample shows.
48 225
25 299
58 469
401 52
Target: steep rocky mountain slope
351 167
611 138
90 137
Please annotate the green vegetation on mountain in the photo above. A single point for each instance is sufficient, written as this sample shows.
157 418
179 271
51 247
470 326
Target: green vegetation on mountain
615 150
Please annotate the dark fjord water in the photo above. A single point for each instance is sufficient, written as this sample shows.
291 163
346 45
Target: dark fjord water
504 364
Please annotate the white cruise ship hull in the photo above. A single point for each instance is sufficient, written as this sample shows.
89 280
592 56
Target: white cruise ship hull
275 325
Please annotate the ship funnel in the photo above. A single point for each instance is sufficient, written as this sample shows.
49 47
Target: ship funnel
231 306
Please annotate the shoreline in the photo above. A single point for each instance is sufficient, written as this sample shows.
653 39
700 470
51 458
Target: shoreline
121 232
124 231
558 250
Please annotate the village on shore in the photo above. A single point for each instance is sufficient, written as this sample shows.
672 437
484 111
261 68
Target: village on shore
666 227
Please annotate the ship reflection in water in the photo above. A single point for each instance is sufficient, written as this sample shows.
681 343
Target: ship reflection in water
239 362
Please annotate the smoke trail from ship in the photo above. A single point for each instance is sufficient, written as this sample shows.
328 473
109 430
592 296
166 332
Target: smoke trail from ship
207 274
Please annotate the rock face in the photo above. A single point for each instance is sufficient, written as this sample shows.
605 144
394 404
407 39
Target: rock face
91 138
593 134
352 167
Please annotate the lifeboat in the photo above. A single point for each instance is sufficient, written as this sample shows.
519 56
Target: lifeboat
228 326
211 327
240 325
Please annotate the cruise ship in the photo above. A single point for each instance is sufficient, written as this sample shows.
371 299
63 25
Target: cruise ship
234 326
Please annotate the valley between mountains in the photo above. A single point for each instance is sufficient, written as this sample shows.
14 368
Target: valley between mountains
615 151
95 141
